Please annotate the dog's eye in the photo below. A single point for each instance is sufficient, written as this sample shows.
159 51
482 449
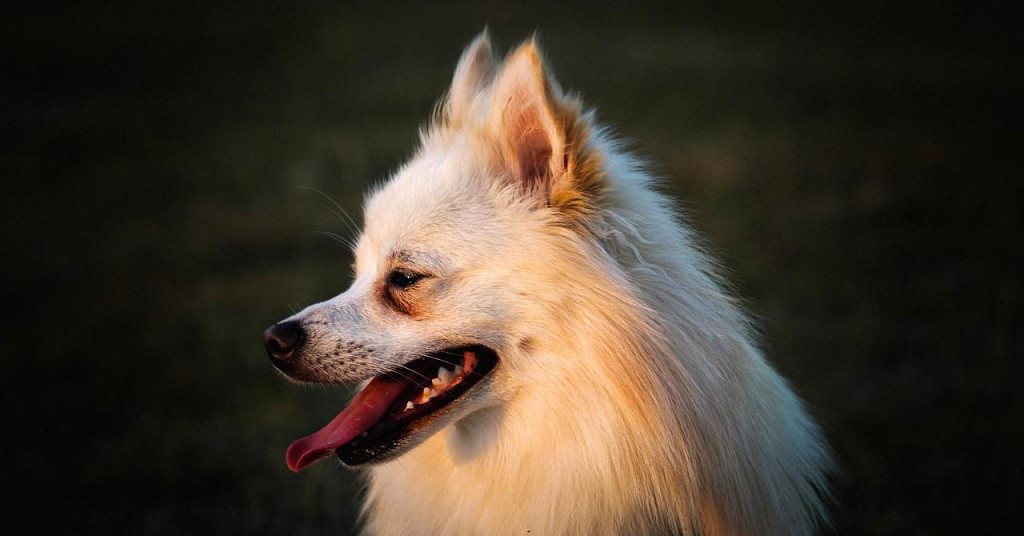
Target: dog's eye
402 279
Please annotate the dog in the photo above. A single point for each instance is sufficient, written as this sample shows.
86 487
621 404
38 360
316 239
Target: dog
545 348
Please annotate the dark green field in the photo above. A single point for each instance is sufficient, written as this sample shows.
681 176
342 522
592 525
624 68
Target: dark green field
857 170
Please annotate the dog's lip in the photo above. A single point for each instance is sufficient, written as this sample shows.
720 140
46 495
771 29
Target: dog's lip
380 398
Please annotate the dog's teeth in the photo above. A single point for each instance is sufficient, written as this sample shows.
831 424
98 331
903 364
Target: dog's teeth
434 392
438 383
458 369
444 375
409 405
426 394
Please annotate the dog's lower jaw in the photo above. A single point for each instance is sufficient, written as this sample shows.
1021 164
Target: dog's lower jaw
470 437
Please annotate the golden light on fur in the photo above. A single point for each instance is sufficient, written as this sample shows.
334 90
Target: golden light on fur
629 396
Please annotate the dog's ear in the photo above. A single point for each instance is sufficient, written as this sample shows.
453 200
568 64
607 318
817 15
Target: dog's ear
474 73
540 133
530 138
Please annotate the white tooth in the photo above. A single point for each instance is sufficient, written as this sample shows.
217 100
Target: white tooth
437 383
434 392
458 370
426 394
409 405
444 375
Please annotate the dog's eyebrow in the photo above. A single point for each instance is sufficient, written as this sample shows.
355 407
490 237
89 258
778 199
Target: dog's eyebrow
418 258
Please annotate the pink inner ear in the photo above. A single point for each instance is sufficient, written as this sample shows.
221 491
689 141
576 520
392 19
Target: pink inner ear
534 155
531 134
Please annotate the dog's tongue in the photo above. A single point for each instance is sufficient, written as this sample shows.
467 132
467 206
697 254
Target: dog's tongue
363 412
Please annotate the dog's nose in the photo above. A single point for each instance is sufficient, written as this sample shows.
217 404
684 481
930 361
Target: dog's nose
283 339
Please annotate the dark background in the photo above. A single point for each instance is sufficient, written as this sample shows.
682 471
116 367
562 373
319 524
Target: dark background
857 169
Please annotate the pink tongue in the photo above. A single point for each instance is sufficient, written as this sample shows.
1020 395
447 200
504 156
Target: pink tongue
363 412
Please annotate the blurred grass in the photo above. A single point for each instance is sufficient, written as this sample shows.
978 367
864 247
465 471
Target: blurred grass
855 168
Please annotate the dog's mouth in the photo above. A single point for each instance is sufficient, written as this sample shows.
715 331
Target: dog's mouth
393 406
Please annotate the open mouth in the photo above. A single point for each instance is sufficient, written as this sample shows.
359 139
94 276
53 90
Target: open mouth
393 406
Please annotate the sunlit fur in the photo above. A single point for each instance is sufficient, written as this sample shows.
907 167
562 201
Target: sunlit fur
630 397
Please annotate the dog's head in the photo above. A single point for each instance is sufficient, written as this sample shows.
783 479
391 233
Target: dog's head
468 260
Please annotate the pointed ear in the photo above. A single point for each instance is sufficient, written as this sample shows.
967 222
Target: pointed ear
474 73
527 122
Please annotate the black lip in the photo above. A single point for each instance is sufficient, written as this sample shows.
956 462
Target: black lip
397 427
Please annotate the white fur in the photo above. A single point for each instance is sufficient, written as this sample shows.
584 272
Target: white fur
630 397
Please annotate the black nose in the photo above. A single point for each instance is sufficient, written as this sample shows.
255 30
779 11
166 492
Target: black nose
283 339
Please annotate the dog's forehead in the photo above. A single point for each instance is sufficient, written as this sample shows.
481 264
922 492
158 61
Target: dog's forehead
436 202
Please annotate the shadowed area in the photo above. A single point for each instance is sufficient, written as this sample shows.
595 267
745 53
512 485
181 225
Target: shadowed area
180 176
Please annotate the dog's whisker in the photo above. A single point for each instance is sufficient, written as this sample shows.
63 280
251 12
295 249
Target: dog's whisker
347 220
383 367
338 238
440 360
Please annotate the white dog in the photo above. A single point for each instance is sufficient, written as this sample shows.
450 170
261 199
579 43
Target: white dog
547 348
